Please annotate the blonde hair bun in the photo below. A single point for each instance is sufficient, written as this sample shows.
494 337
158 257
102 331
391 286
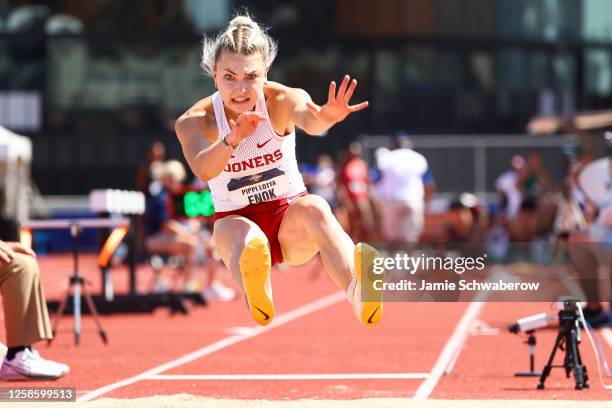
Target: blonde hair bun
242 36
246 21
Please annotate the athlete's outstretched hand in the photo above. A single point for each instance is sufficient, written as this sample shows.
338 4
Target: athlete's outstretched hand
244 126
337 107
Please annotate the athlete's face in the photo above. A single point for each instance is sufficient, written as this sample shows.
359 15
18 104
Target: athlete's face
239 79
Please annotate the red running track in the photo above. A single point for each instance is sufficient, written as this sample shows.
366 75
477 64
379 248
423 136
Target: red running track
410 342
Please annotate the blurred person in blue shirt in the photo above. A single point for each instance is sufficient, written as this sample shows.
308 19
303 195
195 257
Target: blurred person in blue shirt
164 235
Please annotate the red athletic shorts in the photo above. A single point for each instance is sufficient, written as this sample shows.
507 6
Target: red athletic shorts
268 216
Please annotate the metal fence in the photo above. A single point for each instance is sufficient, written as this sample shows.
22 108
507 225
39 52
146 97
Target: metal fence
465 163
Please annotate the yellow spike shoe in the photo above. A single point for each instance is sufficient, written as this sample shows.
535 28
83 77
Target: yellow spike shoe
369 312
255 264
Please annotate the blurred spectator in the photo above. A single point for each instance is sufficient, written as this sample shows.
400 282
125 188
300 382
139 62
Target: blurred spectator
26 318
536 215
468 220
569 216
520 211
324 181
481 221
354 195
535 180
459 222
429 183
144 176
400 192
164 235
507 184
496 237
583 159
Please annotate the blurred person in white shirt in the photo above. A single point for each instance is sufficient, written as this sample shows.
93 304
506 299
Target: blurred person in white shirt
400 191
507 184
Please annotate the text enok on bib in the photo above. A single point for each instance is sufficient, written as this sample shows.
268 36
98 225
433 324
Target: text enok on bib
257 188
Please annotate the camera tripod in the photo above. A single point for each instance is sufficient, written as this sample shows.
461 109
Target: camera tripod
77 284
568 340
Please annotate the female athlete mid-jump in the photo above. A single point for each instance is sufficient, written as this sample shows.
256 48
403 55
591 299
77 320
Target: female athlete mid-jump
241 140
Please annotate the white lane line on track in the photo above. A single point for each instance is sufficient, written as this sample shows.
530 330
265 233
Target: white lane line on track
299 377
451 350
239 330
221 344
606 333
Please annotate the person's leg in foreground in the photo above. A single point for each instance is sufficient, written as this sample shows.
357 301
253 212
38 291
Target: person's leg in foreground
26 319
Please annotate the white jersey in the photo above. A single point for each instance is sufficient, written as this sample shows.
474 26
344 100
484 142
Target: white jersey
262 168
401 176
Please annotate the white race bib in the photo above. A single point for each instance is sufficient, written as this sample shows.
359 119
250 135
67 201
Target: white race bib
258 188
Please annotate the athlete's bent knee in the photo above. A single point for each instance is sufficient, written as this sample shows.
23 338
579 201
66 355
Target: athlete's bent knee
226 228
317 208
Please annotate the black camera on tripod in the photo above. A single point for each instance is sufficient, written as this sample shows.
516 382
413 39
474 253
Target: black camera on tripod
568 340
570 305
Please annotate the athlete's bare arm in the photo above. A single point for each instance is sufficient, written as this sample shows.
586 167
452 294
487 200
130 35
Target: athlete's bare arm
197 132
315 119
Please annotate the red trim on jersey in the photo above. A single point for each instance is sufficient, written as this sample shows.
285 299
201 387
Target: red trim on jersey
268 216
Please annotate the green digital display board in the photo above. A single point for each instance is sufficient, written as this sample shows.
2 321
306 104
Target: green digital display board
192 204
